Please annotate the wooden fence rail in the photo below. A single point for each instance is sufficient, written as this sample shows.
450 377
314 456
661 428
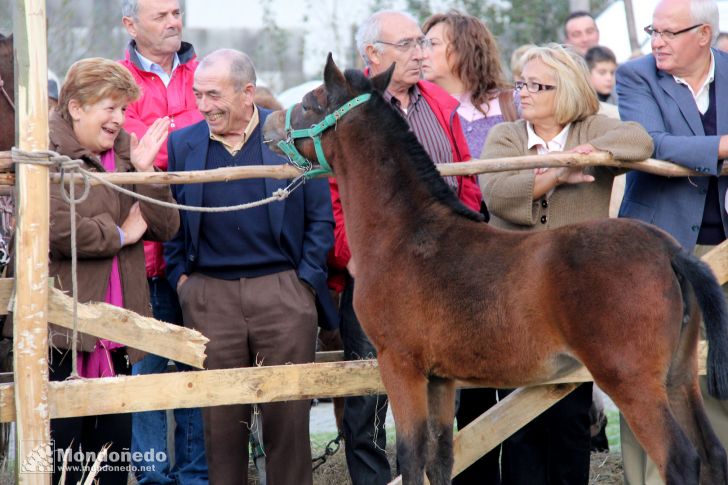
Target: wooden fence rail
473 167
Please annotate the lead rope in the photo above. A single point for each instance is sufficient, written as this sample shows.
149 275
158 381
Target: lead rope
72 201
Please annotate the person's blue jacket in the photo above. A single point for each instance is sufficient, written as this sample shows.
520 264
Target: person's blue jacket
668 112
303 224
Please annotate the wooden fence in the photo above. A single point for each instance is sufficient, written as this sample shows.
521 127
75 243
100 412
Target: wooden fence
31 400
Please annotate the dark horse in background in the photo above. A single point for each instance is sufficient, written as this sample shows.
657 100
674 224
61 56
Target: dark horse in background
7 94
445 297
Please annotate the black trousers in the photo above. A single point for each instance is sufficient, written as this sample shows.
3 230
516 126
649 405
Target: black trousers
89 434
553 449
365 436
485 471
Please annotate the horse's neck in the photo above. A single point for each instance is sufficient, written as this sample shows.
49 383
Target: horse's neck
379 190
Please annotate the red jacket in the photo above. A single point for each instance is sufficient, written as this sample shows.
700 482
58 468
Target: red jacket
445 108
157 100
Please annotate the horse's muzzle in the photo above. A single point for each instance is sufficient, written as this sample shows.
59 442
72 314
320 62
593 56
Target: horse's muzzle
274 130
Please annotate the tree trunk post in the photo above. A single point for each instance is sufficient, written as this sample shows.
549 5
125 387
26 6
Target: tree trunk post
35 461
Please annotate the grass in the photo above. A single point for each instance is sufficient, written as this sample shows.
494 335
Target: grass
613 430
320 440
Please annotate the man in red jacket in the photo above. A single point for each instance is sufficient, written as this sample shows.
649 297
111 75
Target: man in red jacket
163 66
384 38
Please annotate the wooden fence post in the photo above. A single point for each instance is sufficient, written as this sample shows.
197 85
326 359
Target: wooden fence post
34 460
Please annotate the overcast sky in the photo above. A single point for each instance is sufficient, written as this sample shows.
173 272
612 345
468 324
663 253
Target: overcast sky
328 25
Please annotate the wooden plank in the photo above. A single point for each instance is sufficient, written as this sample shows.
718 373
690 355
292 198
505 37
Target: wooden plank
321 357
6 162
472 167
120 325
30 356
330 356
124 326
502 420
205 388
197 176
219 387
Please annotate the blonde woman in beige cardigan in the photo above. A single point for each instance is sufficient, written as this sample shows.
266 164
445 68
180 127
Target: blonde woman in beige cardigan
559 109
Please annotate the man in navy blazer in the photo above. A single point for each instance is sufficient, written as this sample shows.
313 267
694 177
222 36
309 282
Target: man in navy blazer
653 91
679 94
252 281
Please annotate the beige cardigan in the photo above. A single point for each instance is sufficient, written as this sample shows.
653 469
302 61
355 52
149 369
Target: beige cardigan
509 195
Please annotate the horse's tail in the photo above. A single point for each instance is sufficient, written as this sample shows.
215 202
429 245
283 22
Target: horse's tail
712 303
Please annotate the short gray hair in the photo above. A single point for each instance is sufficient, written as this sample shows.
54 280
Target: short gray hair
706 12
130 8
242 70
369 31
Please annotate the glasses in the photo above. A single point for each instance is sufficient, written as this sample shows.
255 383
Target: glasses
533 87
407 45
666 34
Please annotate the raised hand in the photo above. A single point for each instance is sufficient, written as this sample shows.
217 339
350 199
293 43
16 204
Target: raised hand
144 151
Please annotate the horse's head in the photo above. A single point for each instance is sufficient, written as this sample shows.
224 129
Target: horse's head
299 131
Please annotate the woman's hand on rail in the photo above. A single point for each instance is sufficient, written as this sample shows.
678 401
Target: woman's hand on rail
584 149
144 151
572 175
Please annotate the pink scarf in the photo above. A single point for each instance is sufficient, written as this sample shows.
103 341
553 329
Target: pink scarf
97 363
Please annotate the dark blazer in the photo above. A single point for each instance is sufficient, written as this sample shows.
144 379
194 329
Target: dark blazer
303 224
668 112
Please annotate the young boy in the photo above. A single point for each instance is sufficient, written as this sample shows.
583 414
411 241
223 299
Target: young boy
602 66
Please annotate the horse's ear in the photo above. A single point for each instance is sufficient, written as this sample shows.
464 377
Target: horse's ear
380 82
332 75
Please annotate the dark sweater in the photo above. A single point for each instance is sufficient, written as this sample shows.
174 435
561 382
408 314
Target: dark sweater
238 244
711 229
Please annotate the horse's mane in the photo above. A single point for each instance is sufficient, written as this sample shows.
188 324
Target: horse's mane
400 134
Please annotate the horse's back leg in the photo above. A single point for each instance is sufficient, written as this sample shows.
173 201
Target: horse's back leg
646 408
407 390
441 399
686 402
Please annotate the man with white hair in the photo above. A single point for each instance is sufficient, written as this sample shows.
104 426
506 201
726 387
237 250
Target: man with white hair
678 94
391 37
163 66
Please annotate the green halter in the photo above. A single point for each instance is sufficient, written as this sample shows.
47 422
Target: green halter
288 145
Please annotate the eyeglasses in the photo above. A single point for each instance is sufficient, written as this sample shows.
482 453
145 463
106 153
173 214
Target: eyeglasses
407 45
533 87
666 34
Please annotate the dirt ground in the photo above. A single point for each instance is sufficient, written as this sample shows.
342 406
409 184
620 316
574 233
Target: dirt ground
606 469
